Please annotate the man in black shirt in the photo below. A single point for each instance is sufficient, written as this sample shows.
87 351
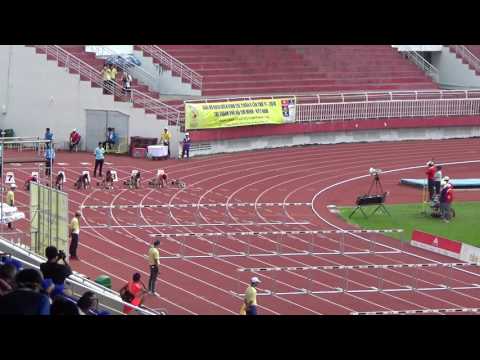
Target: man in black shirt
53 269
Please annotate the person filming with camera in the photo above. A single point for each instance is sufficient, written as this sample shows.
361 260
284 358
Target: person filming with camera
56 268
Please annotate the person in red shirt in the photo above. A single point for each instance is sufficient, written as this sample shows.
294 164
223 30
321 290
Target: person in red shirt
446 198
74 139
431 179
137 290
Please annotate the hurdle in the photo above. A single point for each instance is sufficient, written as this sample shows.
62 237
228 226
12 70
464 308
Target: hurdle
170 208
278 239
378 271
418 311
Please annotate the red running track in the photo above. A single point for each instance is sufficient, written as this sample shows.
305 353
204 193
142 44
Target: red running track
206 285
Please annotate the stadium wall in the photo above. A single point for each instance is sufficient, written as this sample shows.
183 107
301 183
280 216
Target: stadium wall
36 93
269 136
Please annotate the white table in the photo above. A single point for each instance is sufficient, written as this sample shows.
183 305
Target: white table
157 151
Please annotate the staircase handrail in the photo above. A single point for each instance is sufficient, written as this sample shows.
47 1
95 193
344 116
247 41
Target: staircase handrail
421 62
467 55
107 51
167 112
173 64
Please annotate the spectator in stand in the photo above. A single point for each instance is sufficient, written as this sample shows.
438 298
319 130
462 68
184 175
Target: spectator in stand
56 269
137 292
7 278
437 179
446 198
99 158
187 141
75 235
63 306
153 262
74 139
165 139
251 297
26 299
11 200
48 288
430 179
127 83
111 139
49 159
107 76
88 303
113 76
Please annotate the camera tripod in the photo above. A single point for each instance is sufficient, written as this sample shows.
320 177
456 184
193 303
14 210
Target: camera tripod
378 198
376 184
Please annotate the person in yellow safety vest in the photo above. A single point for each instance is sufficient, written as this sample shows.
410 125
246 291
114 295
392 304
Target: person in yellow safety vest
11 200
165 139
75 234
106 76
251 297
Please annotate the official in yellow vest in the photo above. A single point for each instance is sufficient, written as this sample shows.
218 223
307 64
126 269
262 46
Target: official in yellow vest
251 297
11 200
75 234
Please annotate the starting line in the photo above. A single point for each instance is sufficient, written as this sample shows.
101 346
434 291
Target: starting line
411 312
354 267
191 205
285 232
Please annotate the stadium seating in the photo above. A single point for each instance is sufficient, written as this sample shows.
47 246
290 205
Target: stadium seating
254 69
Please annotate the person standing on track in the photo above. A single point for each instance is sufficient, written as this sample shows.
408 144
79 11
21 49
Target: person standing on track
165 138
75 234
153 262
430 179
11 200
99 158
187 142
251 297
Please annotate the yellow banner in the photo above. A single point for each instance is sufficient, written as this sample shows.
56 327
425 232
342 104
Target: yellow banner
239 113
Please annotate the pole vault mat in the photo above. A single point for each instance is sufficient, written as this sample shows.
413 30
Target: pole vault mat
457 183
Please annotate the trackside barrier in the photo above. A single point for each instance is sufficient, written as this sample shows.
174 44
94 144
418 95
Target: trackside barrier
376 104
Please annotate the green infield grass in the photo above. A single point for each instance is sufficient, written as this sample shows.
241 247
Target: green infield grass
464 227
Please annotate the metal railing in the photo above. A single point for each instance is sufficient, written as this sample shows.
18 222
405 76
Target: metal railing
387 109
151 105
104 52
168 61
420 61
376 105
466 55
